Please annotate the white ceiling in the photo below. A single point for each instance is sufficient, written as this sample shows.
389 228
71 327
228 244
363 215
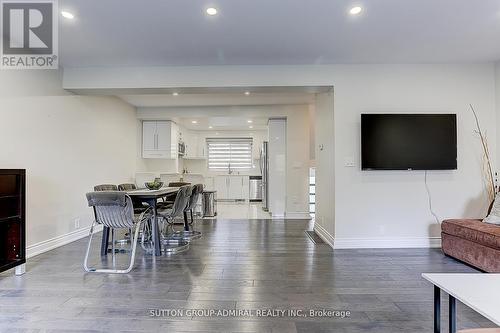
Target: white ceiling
257 32
168 100
224 123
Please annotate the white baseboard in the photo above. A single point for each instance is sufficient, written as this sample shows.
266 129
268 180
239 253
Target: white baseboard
298 215
50 244
324 235
387 243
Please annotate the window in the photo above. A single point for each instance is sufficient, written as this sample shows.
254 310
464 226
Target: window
229 153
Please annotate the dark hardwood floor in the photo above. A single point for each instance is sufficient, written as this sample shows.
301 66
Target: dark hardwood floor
238 264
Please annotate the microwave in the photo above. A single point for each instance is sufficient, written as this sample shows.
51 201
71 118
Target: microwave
182 148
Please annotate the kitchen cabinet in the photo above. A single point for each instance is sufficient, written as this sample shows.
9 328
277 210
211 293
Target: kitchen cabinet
221 186
160 139
191 144
232 187
195 146
202 147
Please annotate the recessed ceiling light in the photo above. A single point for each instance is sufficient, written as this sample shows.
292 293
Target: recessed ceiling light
355 10
212 11
175 94
216 133
210 127
67 15
249 121
250 127
247 93
194 122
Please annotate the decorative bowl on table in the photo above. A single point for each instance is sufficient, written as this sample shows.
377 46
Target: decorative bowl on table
153 185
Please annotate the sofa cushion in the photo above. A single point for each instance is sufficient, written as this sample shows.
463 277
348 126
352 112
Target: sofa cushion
483 257
473 230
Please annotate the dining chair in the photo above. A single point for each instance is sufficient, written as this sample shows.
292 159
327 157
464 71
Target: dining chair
114 210
127 187
168 178
138 209
189 233
168 214
167 202
178 184
105 187
105 230
197 191
131 187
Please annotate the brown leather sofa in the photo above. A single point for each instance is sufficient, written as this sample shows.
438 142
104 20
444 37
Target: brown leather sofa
473 242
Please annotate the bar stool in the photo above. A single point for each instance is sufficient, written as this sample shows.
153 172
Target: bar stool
168 214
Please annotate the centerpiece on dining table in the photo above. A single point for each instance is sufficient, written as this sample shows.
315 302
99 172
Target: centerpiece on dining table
154 185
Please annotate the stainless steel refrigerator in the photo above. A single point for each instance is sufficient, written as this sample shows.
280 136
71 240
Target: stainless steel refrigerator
264 169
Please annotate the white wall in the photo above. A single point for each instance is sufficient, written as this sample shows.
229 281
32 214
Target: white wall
381 208
312 133
277 182
372 209
497 98
325 167
67 144
297 205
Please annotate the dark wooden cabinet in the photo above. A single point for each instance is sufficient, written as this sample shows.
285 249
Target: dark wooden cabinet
12 218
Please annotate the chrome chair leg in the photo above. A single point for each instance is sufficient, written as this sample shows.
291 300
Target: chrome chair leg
170 244
146 237
187 235
112 271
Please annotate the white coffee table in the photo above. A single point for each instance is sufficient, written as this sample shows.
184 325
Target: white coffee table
480 292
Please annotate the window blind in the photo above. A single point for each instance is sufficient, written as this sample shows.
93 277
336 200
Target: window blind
226 153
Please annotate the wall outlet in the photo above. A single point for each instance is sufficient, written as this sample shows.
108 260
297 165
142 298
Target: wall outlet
349 162
77 223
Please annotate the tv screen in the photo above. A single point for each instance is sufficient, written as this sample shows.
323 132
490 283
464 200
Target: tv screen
409 141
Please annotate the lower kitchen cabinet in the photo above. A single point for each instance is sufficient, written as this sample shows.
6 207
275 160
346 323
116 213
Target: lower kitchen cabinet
232 187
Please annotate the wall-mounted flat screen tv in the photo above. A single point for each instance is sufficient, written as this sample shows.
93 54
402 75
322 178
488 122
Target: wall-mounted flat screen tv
408 141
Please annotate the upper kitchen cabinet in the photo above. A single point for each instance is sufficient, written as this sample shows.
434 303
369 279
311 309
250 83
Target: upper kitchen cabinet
160 139
195 146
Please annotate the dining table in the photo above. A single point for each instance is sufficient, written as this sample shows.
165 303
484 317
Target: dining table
478 291
150 197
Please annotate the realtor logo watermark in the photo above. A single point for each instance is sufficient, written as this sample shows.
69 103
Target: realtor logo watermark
29 34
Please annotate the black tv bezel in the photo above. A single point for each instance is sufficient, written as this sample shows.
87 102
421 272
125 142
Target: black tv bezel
410 168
